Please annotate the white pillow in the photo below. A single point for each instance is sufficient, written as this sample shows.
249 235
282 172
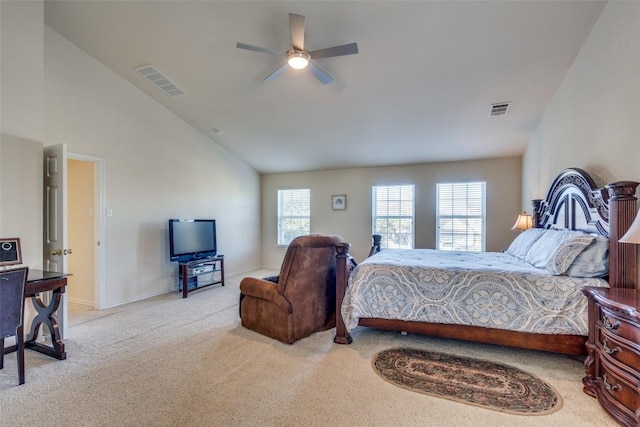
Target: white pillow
523 242
555 250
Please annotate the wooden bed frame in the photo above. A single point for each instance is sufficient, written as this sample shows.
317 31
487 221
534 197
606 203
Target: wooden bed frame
573 201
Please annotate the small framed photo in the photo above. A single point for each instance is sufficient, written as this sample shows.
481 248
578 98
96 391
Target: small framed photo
10 251
339 202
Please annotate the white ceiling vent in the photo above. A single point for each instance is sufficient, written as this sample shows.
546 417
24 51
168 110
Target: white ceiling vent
499 109
160 80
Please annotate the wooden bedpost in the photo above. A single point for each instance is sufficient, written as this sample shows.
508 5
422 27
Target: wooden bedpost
622 211
375 247
535 215
342 276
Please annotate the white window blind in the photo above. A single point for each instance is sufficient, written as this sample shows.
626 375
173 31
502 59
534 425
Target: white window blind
393 215
460 217
294 214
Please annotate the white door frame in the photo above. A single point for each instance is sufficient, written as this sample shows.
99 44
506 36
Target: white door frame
99 228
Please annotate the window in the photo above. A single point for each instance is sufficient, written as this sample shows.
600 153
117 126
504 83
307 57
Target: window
393 215
460 216
294 214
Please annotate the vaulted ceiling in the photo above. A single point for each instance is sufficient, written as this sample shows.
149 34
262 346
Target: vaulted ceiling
419 90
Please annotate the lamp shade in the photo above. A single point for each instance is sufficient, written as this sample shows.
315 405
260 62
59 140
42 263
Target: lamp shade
524 222
633 233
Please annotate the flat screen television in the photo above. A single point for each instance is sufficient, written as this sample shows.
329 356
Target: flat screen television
191 239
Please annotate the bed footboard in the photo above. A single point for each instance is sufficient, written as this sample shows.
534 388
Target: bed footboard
342 276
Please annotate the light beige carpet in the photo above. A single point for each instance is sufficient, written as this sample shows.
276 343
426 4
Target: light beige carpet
169 361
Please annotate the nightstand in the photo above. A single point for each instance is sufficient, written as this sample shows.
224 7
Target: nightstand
613 362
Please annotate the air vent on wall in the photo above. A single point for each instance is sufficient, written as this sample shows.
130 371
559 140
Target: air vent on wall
499 109
160 80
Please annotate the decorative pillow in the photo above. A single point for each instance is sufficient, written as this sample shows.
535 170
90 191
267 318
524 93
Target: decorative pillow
593 261
521 244
555 250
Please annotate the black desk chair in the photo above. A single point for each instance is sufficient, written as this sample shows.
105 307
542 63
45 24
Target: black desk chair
12 283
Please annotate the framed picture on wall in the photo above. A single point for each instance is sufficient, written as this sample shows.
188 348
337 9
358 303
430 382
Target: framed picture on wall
339 202
10 251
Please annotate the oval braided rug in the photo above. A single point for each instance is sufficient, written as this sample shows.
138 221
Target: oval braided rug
476 382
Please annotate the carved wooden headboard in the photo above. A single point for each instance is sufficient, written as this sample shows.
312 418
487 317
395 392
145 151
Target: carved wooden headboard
575 202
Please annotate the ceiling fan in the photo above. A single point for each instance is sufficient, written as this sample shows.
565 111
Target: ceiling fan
298 57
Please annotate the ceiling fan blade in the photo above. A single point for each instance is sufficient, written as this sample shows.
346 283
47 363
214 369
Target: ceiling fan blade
258 49
296 22
271 77
345 49
320 74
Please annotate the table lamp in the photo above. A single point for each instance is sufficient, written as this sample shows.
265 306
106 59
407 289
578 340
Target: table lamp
633 233
524 222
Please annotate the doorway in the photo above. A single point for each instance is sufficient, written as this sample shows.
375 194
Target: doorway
56 252
84 233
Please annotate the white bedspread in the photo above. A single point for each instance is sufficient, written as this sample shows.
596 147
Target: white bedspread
488 289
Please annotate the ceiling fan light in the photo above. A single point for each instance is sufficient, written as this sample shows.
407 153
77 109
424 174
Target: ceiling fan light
298 60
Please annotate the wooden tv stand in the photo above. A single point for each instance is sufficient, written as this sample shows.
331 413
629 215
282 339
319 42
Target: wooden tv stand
190 274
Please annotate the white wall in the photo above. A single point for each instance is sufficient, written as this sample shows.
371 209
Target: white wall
157 167
594 120
354 223
21 124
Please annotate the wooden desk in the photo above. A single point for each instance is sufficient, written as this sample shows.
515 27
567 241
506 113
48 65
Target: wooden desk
41 281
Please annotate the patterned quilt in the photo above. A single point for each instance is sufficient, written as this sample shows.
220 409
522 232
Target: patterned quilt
488 289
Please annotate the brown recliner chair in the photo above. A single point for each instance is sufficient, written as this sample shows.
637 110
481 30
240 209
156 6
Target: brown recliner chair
301 300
